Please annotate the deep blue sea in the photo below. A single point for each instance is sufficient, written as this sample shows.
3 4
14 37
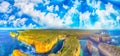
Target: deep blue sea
8 44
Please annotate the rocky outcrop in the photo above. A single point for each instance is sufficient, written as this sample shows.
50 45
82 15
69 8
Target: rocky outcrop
89 46
100 38
92 49
13 34
109 50
96 39
105 39
19 53
71 47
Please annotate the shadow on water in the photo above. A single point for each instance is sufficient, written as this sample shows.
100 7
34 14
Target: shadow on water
84 49
58 46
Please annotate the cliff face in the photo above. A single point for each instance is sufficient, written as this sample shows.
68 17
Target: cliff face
19 53
40 47
89 46
71 47
42 41
44 47
109 50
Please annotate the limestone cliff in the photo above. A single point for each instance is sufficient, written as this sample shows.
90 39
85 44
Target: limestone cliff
18 53
42 41
109 50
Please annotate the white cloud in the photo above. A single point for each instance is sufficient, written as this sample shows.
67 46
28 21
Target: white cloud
4 6
68 19
118 18
30 26
94 3
57 8
65 6
85 19
52 20
46 2
105 21
3 22
47 20
37 1
102 15
109 8
97 25
76 2
68 16
85 15
19 22
11 17
25 7
50 8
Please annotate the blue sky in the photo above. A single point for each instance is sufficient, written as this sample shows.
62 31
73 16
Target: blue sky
59 14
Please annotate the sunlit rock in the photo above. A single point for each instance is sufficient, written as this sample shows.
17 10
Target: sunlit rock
13 34
19 53
42 41
94 38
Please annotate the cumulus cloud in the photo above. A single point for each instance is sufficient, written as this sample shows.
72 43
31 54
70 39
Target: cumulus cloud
57 8
19 22
50 8
53 20
65 6
85 19
4 6
50 19
105 20
12 17
30 26
3 22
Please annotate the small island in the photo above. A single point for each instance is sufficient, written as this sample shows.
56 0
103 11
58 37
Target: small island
13 34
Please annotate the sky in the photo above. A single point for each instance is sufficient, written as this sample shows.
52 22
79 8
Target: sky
59 14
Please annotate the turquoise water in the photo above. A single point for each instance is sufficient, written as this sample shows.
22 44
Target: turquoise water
8 44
